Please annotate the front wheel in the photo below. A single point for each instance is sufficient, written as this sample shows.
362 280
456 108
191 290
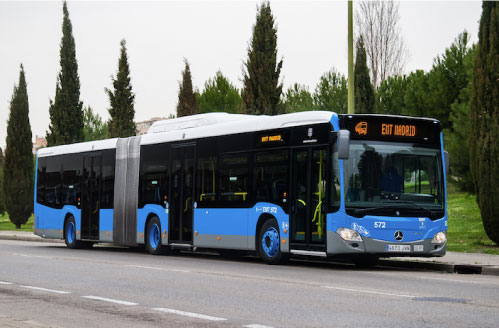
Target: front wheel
153 238
269 243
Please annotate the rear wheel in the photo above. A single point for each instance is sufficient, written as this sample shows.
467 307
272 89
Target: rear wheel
70 234
269 243
153 237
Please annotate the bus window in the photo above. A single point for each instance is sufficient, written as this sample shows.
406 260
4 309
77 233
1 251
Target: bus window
234 180
53 182
206 180
271 177
71 178
155 183
41 180
107 187
334 200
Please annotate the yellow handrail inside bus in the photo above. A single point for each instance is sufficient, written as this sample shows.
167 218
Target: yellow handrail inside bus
187 203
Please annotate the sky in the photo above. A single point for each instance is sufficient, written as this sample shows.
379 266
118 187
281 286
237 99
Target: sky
211 35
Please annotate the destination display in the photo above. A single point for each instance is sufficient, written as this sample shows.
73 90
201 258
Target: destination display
274 138
391 128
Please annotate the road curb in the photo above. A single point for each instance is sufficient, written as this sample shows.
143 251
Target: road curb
490 270
30 238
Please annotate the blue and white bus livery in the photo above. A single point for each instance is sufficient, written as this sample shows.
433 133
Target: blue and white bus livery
308 183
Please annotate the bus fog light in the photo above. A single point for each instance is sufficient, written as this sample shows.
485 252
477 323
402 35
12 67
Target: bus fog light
349 234
440 238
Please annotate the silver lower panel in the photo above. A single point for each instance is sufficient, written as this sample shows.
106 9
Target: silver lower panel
50 233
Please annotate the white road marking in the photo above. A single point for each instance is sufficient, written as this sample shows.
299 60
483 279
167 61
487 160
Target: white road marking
5 283
98 298
34 256
156 268
255 325
190 314
46 290
368 292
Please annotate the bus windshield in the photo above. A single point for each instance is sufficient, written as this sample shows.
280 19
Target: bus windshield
382 175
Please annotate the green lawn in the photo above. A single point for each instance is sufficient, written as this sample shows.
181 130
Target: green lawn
5 224
465 232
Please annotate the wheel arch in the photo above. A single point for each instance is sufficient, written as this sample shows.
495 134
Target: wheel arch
66 218
261 220
149 217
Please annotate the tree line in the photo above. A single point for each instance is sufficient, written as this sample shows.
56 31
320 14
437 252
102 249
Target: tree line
460 90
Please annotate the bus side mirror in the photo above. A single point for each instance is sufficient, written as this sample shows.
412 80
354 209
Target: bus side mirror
343 144
447 161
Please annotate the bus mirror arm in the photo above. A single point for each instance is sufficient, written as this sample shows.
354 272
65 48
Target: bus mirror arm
447 161
343 144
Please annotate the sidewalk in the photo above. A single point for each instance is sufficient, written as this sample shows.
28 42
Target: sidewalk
453 262
26 236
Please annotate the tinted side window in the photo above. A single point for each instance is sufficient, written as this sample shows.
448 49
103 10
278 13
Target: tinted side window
41 180
53 182
154 181
107 186
71 179
234 178
206 176
334 200
271 177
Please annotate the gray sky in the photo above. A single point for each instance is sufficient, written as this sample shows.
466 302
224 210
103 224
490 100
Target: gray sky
212 35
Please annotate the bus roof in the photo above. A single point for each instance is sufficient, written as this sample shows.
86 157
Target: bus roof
200 126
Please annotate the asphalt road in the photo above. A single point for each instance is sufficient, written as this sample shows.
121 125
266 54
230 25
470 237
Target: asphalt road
47 285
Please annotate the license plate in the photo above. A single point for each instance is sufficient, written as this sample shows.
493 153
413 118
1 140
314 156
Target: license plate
398 248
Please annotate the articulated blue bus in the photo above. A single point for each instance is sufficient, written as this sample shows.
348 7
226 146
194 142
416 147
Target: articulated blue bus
309 183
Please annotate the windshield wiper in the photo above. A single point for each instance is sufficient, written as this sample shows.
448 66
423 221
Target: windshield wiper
372 209
416 205
394 207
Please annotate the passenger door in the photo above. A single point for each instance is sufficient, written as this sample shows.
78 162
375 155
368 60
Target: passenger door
90 202
309 198
181 205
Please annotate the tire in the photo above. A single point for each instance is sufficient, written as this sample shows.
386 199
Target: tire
70 234
153 238
268 243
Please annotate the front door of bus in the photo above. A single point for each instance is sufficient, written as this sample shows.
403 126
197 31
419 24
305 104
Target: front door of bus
90 197
182 194
308 211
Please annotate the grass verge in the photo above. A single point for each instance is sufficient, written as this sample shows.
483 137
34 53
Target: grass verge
5 224
465 232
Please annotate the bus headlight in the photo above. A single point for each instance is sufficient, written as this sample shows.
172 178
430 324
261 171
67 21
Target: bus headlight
349 234
440 238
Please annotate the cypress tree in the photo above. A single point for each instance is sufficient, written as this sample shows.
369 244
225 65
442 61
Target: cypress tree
187 101
122 109
18 166
363 89
262 90
484 117
66 113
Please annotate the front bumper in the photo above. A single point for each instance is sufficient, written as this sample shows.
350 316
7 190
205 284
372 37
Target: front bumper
424 248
